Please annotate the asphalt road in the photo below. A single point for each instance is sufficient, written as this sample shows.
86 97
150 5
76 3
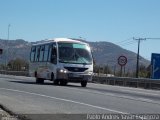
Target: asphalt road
22 96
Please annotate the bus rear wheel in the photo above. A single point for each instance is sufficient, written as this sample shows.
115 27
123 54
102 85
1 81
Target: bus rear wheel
84 83
38 80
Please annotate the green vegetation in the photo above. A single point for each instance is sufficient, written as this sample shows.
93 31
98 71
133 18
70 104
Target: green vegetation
144 72
18 65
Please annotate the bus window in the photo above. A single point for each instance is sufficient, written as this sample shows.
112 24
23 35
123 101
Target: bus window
45 58
41 53
49 53
32 55
37 53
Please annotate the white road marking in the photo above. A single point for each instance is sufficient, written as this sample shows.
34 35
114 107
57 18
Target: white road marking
66 100
116 95
146 93
146 100
127 89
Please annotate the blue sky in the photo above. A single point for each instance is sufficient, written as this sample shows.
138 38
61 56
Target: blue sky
94 20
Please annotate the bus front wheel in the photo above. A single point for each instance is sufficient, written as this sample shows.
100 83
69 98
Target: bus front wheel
63 82
84 83
55 81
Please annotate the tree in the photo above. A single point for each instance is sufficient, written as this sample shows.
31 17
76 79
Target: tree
143 72
18 65
96 69
107 70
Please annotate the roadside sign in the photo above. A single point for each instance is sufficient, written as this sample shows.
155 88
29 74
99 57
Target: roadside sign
155 63
122 60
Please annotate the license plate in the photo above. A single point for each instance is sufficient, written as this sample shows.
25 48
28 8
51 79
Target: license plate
74 75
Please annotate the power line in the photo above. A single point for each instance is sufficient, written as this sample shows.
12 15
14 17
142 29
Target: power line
6 59
123 41
128 43
153 38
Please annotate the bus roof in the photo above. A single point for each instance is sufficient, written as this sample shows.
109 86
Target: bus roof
59 40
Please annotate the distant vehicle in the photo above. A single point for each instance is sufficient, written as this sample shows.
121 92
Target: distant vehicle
61 60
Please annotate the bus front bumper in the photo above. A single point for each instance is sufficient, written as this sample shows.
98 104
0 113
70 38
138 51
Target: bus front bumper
74 77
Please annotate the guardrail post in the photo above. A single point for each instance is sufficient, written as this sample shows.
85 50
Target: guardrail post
145 84
150 86
137 84
124 82
114 82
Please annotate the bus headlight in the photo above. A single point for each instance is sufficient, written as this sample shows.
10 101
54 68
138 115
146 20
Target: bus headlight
62 71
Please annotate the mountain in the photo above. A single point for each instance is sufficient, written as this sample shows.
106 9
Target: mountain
15 49
104 53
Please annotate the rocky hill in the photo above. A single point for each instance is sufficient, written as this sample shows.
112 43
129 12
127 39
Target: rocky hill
15 49
104 53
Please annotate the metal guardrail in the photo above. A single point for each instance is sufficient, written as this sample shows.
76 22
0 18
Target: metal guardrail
17 73
130 82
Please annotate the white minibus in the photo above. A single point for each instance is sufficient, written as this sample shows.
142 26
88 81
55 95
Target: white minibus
61 60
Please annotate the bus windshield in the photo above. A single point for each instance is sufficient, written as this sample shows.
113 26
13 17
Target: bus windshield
74 53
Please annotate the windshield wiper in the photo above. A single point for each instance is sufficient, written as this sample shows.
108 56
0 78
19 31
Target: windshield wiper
82 60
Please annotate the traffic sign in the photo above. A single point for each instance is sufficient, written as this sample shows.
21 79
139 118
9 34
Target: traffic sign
155 63
122 60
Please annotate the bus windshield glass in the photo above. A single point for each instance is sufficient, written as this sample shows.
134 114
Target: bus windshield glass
75 53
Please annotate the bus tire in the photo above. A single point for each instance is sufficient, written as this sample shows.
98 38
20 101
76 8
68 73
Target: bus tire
35 74
63 82
52 76
55 81
39 80
83 83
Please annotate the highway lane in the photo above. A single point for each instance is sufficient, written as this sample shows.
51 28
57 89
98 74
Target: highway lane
22 95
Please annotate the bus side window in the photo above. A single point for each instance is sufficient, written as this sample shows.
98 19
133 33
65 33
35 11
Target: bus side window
37 53
49 53
54 55
41 53
32 55
45 58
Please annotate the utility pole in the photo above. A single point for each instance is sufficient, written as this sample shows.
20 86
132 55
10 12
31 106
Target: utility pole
6 61
139 40
137 66
8 31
